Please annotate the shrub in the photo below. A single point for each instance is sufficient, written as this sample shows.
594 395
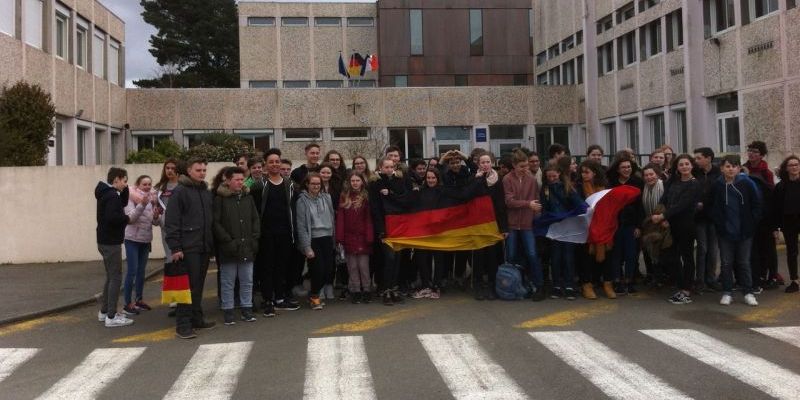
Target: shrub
145 156
27 116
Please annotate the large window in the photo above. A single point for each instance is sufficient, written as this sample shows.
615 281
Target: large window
579 68
626 49
555 76
401 81
541 79
626 12
33 22
260 21
81 43
409 140
568 72
568 43
650 39
728 123
547 135
351 133
116 147
475 32
99 145
541 58
753 9
8 16
62 33
554 51
148 140
657 133
113 62
259 139
645 4
605 58
506 138
302 134
605 24
98 53
416 31
674 30
632 133
718 15
83 132
610 131
682 134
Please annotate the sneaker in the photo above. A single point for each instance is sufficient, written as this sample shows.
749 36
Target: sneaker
286 305
117 321
204 325
714 286
101 316
329 292
355 298
185 334
435 294
422 294
757 290
726 299
343 294
792 288
315 303
750 300
229 318
387 298
556 293
269 310
397 298
247 315
538 294
680 298
143 306
570 293
130 309
366 297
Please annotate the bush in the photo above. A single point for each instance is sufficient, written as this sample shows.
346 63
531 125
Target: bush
145 156
219 147
169 149
27 116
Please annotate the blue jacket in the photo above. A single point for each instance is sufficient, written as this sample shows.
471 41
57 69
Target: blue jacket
736 208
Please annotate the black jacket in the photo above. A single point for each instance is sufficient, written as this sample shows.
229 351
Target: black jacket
111 218
236 225
401 194
680 199
706 181
188 219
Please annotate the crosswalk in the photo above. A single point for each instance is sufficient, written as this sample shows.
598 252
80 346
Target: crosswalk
339 368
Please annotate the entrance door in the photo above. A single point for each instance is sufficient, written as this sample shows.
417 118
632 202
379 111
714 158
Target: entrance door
453 138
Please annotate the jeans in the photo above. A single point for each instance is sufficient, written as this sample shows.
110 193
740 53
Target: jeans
624 251
229 271
735 252
528 242
112 260
137 254
562 264
321 267
791 227
706 255
190 315
358 273
274 258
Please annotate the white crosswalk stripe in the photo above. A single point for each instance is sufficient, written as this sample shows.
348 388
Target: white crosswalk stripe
10 359
615 375
788 334
98 370
212 373
467 370
337 368
757 372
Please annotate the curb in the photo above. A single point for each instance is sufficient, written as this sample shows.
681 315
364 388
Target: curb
68 306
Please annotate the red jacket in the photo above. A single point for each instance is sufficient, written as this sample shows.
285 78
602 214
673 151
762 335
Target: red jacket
354 228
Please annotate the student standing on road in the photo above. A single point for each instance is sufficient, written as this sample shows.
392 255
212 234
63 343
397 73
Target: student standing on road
593 180
142 216
315 230
188 228
706 256
354 232
786 213
168 182
236 233
112 195
624 171
651 194
430 263
735 209
484 261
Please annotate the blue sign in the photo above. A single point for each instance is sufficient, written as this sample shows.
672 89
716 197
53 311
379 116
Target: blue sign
480 135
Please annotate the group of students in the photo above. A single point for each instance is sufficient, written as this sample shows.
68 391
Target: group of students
271 227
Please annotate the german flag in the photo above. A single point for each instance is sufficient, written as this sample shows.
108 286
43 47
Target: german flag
175 288
456 218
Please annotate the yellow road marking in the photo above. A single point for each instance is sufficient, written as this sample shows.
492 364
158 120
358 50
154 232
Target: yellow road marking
770 313
374 323
35 323
157 336
569 317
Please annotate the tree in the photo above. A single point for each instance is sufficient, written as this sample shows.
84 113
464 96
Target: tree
200 39
27 116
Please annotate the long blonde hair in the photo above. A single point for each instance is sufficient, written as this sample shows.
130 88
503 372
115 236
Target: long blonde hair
350 197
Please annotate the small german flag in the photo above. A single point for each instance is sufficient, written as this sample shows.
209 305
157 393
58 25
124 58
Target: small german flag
176 288
457 218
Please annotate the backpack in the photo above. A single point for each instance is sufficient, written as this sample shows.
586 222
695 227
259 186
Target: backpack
509 284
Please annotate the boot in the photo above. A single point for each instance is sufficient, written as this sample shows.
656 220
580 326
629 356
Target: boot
588 291
608 288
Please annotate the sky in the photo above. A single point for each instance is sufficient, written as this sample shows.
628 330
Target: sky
139 63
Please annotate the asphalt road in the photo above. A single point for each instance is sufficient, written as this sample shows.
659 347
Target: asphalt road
455 347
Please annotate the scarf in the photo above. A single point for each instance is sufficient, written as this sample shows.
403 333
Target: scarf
651 196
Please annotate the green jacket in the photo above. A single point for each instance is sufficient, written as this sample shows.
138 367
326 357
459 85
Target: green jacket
236 225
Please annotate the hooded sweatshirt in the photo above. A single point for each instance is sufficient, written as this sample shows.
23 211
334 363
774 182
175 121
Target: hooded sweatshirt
314 218
111 218
736 208
140 212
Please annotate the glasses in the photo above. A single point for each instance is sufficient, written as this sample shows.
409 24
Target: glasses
314 184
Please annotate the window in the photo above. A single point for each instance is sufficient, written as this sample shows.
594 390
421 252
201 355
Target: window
718 15
113 62
116 147
605 24
547 135
728 123
475 32
81 148
645 4
460 80
8 16
541 58
626 12
363 83
33 22
327 21
632 133
148 140
260 21
626 49
541 79
330 84
554 51
416 31
263 84
302 134
505 138
791 4
294 21
530 30
62 33
351 133
520 80
296 84
259 139
682 134
99 142
360 21
401 81
650 39
568 72
568 43
409 140
657 133
674 30
605 58
754 9
579 68
554 77
98 54
579 38
81 44
59 136
610 130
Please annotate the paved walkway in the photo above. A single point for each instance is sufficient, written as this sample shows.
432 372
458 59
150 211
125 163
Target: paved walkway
31 290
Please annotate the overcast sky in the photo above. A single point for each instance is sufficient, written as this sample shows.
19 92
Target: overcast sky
139 63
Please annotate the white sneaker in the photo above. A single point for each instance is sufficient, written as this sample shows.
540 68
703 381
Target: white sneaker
118 320
750 299
101 316
726 300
